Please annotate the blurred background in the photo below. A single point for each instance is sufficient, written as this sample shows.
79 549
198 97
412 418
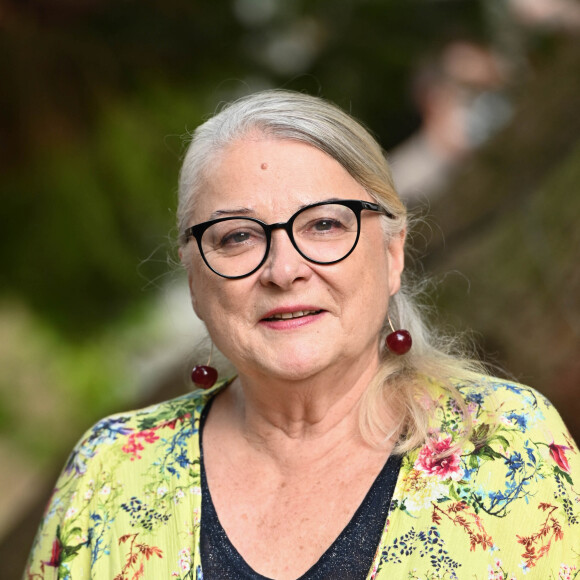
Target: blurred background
477 104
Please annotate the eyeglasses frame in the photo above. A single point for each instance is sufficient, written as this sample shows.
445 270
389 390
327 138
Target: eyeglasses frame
356 205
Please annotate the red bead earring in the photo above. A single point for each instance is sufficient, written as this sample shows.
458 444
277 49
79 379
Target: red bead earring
205 376
398 341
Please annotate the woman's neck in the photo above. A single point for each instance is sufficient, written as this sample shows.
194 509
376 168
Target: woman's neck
284 418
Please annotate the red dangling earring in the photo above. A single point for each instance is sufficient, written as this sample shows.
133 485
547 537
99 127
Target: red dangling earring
398 341
204 376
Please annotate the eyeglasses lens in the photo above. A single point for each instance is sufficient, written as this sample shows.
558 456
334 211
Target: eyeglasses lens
325 233
234 247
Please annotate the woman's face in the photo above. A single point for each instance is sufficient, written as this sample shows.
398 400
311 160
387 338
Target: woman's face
343 304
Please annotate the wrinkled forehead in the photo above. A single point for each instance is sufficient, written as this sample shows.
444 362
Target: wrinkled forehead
271 176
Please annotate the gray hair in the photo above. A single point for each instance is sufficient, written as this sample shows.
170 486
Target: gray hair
294 116
400 384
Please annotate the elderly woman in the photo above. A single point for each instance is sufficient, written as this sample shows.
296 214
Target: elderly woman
351 444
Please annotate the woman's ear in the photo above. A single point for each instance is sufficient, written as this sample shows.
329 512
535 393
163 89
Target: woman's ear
192 292
193 295
396 253
194 301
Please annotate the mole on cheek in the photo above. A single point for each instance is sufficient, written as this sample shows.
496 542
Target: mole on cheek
264 166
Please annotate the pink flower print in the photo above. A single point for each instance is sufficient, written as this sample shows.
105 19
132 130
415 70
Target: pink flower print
566 572
134 443
185 560
558 455
432 460
55 554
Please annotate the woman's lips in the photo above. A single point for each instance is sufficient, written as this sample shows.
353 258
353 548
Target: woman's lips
288 315
291 318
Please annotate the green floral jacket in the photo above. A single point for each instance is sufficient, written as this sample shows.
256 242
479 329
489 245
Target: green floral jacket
127 505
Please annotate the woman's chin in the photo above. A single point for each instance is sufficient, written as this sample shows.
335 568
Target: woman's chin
285 368
296 373
306 367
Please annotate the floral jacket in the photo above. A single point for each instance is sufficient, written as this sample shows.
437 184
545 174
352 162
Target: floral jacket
127 505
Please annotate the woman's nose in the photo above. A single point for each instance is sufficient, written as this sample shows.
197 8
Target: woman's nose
284 265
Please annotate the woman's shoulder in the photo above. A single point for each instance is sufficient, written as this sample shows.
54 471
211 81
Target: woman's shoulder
138 469
511 403
154 415
161 414
500 409
130 432
489 393
499 497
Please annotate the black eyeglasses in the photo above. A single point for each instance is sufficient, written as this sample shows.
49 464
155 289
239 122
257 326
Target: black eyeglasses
322 233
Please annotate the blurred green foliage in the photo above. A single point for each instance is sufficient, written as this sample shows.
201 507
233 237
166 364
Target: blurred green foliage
96 96
86 214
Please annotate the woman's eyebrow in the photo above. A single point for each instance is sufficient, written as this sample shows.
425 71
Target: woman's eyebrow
247 211
231 212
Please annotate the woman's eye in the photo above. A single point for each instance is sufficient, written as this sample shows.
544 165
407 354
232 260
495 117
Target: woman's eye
235 238
327 225
323 225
